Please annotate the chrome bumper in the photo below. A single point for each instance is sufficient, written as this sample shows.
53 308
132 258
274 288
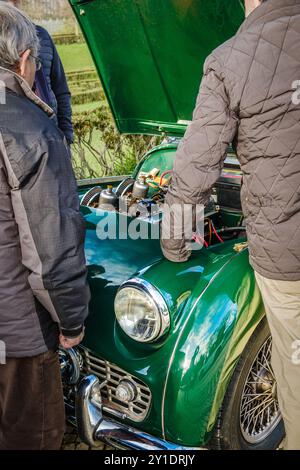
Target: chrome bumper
94 428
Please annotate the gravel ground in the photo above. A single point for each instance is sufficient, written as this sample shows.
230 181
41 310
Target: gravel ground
72 442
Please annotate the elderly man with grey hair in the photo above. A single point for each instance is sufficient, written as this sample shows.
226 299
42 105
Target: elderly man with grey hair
43 288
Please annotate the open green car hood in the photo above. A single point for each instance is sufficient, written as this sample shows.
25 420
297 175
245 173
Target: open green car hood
150 54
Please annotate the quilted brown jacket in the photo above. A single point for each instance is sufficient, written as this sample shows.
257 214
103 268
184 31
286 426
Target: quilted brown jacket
248 97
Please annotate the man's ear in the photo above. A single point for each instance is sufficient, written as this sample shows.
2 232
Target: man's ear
23 62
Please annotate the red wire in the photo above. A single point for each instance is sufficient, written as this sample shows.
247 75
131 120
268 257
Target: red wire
216 234
164 174
200 240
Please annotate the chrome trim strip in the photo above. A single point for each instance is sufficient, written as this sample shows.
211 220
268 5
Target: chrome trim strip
158 299
103 180
93 427
176 344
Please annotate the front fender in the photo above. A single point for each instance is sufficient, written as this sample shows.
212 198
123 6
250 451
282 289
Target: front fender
218 325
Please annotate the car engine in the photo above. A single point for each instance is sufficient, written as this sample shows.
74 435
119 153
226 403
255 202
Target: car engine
143 197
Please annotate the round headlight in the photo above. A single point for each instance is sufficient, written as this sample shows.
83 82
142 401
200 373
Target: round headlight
141 311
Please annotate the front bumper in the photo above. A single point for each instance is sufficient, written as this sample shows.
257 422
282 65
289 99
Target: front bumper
94 428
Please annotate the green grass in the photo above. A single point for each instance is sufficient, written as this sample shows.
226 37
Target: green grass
75 56
76 59
80 108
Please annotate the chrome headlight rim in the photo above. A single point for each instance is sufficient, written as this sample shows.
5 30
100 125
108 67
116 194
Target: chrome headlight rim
71 363
160 303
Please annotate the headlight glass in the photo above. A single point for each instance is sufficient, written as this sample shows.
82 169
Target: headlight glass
140 315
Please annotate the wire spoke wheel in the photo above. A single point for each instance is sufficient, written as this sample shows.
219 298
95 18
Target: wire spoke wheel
259 409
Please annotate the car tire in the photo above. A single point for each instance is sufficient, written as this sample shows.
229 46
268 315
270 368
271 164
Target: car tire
252 396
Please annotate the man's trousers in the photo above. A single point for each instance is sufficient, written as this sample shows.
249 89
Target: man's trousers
31 403
282 305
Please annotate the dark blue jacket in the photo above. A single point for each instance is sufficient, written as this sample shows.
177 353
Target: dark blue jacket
57 95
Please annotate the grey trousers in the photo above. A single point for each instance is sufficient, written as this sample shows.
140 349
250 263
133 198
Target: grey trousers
282 305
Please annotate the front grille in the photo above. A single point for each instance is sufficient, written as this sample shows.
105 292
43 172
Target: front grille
112 374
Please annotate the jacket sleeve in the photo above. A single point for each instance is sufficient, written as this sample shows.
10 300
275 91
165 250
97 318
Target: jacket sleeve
201 152
51 230
62 93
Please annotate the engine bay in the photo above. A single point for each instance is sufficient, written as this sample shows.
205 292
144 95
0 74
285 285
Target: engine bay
143 197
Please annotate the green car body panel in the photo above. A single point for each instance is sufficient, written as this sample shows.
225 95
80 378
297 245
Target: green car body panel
212 319
149 55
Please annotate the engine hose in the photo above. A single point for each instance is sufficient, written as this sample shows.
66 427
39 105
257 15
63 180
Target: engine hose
232 229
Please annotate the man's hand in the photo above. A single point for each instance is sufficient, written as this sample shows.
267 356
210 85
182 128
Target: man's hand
68 343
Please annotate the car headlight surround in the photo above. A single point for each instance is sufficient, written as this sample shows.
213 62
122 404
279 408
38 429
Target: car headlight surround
141 311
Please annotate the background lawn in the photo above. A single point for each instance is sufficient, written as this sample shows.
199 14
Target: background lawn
75 56
80 108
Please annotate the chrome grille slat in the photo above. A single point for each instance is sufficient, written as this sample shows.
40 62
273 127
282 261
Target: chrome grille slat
95 366
113 374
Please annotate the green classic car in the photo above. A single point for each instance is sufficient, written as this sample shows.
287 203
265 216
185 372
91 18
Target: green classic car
175 356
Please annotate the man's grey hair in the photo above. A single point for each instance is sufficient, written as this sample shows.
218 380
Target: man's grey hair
17 34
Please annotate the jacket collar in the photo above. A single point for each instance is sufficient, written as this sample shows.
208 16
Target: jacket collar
270 10
18 85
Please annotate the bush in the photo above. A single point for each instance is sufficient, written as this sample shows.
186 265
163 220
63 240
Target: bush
64 38
82 97
99 149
